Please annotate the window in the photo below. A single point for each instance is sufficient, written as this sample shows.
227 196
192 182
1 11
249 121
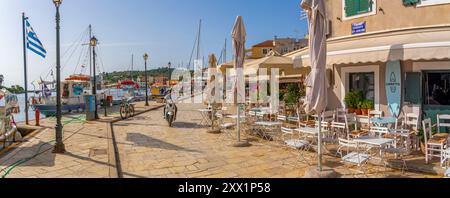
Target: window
437 88
265 51
432 2
284 50
364 82
358 8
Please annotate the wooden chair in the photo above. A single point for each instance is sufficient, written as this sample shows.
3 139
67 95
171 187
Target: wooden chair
434 145
442 121
412 122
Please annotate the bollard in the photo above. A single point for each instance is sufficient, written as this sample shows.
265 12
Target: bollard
37 116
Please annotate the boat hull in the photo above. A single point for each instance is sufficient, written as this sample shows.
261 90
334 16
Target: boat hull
50 110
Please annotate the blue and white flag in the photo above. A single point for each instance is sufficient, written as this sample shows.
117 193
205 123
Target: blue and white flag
33 42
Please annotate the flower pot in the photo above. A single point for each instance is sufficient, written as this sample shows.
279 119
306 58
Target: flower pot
351 110
422 148
365 112
358 111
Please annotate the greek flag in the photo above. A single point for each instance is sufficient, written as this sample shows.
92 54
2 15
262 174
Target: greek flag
33 42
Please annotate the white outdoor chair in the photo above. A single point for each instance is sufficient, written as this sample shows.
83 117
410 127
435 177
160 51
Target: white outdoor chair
375 114
281 118
400 152
434 145
339 130
378 131
412 122
355 155
340 114
442 121
300 144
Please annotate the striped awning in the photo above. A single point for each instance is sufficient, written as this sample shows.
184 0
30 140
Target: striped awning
418 44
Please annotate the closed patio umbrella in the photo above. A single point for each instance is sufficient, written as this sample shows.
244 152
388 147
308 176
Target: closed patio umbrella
316 92
238 35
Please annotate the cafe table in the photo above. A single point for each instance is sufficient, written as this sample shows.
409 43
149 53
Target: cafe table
375 142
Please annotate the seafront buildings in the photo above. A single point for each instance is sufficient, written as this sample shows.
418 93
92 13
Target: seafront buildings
364 36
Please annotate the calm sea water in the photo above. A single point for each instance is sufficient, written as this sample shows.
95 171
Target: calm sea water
20 117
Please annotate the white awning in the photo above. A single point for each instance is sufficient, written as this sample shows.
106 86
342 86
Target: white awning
423 44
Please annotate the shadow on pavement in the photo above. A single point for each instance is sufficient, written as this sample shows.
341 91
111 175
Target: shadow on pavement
146 141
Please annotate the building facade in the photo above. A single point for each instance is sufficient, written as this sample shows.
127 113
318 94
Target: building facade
369 39
280 46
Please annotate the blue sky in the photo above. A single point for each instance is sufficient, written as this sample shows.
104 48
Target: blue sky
166 29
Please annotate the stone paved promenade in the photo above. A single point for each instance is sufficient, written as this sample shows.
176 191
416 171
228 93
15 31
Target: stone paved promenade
148 148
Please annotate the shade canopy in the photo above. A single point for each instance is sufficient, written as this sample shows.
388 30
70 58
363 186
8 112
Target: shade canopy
413 44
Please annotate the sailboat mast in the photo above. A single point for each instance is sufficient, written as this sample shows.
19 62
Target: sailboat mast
132 63
225 52
198 39
90 51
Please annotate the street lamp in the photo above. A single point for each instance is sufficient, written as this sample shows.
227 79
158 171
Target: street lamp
146 80
169 64
94 43
59 146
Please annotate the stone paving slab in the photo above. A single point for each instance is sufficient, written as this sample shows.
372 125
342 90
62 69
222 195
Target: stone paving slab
150 149
87 153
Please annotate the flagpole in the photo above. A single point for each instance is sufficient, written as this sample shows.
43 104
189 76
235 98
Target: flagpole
25 67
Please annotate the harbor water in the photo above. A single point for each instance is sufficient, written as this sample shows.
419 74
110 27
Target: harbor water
20 117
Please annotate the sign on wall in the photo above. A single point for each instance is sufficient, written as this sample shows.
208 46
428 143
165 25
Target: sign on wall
358 28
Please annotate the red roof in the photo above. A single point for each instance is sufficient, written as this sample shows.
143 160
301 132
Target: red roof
268 43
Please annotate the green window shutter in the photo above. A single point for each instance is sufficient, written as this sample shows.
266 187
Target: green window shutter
364 6
413 91
410 2
351 7
355 7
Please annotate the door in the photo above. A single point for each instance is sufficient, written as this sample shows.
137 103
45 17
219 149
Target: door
436 93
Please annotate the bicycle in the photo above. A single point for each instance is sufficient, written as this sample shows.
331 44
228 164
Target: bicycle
126 109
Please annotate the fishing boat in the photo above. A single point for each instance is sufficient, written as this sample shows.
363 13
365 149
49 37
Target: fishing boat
8 129
73 90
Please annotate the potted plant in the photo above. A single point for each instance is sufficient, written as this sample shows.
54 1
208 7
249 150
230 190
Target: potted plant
366 106
292 95
350 102
359 108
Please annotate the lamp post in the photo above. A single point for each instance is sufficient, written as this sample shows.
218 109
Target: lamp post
94 43
169 64
146 80
59 146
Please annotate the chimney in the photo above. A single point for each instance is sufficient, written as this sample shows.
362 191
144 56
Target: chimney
275 40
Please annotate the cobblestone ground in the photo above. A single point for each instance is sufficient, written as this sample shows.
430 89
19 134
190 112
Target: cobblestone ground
149 148
87 156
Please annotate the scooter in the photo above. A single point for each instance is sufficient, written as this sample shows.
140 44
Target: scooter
170 112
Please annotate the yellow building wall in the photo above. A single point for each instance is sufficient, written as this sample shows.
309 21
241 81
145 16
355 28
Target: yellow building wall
394 16
257 52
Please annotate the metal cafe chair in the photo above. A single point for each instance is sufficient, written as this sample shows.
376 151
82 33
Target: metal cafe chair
355 155
300 143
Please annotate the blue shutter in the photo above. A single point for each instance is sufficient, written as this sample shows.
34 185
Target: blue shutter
413 88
